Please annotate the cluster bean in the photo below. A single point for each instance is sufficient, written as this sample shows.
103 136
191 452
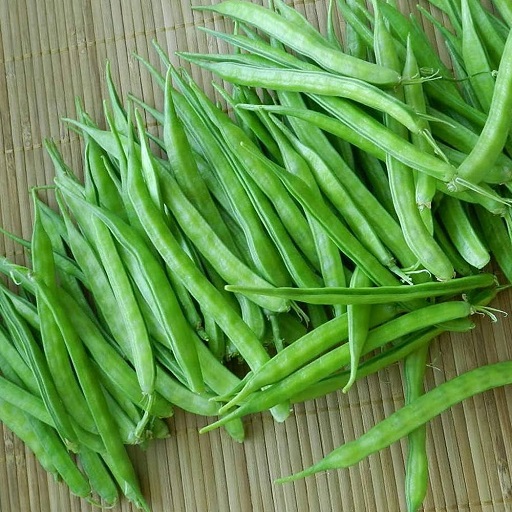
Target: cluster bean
332 211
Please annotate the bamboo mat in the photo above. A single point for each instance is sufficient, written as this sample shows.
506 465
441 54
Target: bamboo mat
54 50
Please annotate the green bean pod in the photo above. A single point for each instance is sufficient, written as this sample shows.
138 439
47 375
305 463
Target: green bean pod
412 416
341 236
462 232
38 363
119 280
497 237
184 166
380 294
292 217
493 137
302 351
285 31
100 479
416 469
425 185
401 177
53 344
475 60
368 134
310 82
334 190
358 317
95 398
505 9
47 447
150 278
12 361
328 363
376 363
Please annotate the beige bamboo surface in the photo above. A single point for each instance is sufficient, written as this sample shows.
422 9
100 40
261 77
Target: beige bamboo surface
54 50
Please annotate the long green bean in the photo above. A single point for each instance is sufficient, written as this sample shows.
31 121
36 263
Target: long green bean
411 416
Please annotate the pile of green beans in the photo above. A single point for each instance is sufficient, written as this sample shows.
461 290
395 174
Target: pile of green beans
339 218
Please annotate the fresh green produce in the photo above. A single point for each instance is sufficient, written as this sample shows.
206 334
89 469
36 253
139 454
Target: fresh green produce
338 221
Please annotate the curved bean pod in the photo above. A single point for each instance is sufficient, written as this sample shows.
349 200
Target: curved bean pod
494 134
368 134
285 31
382 360
412 416
335 359
309 82
358 317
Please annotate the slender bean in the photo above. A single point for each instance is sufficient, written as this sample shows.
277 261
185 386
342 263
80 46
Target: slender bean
263 254
47 446
302 24
298 267
12 362
386 228
19 423
53 343
355 43
462 232
129 431
249 121
150 278
411 416
292 217
184 167
109 194
303 350
368 134
375 175
205 239
380 294
100 479
126 413
342 237
351 12
115 101
330 29
505 10
376 363
358 318
416 468
492 38
401 177
493 137
405 27
475 60
281 29
310 82
55 228
178 261
114 366
461 266
335 359
25 400
414 96
328 254
334 190
94 396
38 363
104 243
497 237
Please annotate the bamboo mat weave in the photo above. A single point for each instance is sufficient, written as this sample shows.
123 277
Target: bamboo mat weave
52 51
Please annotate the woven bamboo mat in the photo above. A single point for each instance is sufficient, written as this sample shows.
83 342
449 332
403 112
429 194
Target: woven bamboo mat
54 50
